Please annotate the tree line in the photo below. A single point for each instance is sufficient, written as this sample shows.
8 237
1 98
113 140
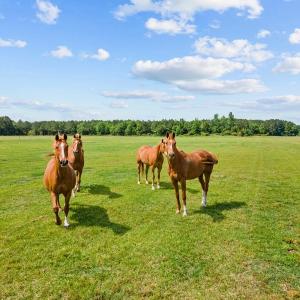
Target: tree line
218 125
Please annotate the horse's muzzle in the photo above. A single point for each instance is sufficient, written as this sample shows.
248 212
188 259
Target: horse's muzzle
63 163
171 155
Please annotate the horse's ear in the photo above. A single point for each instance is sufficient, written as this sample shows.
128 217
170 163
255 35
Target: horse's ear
162 140
79 135
74 136
167 134
65 137
173 134
56 137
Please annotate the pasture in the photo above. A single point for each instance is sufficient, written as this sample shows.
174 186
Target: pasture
125 240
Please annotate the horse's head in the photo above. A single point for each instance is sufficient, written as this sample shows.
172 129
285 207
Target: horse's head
170 145
162 146
61 149
77 143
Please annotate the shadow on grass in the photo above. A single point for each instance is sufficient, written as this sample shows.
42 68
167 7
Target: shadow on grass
216 210
169 186
98 189
92 215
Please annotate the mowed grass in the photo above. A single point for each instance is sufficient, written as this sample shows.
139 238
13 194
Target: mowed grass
125 240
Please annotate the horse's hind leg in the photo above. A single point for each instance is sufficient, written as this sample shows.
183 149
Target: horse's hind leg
207 178
147 168
139 172
66 209
201 180
55 206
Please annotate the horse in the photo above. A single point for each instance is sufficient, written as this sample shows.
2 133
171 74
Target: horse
59 177
76 159
151 157
185 166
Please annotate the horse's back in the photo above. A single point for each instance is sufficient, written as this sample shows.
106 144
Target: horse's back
142 153
205 156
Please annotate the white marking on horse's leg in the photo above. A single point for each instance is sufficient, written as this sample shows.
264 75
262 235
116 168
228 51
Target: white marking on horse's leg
147 182
184 211
66 222
139 182
158 186
73 193
204 196
177 211
153 187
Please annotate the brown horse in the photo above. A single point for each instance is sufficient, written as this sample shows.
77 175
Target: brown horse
185 166
76 159
59 177
151 157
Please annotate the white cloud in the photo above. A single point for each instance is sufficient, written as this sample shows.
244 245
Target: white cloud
3 99
294 37
100 55
61 52
263 34
188 8
47 12
289 64
239 49
12 43
149 95
170 26
188 67
118 104
195 73
222 86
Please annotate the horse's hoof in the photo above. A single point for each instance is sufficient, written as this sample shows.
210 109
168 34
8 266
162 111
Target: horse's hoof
66 224
139 182
158 186
184 214
203 204
58 222
153 188
177 211
147 182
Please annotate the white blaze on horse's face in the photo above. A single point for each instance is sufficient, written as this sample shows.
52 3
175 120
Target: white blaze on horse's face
170 147
63 150
76 145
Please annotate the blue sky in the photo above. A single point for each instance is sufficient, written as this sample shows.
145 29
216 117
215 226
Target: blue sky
149 59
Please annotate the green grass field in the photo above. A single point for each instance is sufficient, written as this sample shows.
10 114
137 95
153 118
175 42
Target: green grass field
125 240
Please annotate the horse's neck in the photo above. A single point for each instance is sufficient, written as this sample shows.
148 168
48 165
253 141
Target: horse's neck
176 163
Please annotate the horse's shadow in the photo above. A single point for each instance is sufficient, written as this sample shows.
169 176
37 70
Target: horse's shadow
216 210
169 186
92 215
98 189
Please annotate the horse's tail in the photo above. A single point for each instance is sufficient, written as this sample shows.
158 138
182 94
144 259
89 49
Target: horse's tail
212 160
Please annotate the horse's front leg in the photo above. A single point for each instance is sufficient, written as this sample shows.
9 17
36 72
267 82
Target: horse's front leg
158 176
147 169
66 208
79 173
153 177
55 206
175 184
183 190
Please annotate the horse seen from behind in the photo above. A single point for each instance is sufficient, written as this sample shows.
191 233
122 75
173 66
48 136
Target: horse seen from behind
59 177
185 166
151 157
76 159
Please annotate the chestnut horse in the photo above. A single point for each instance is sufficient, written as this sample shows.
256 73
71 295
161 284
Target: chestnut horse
59 177
76 159
151 157
185 166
